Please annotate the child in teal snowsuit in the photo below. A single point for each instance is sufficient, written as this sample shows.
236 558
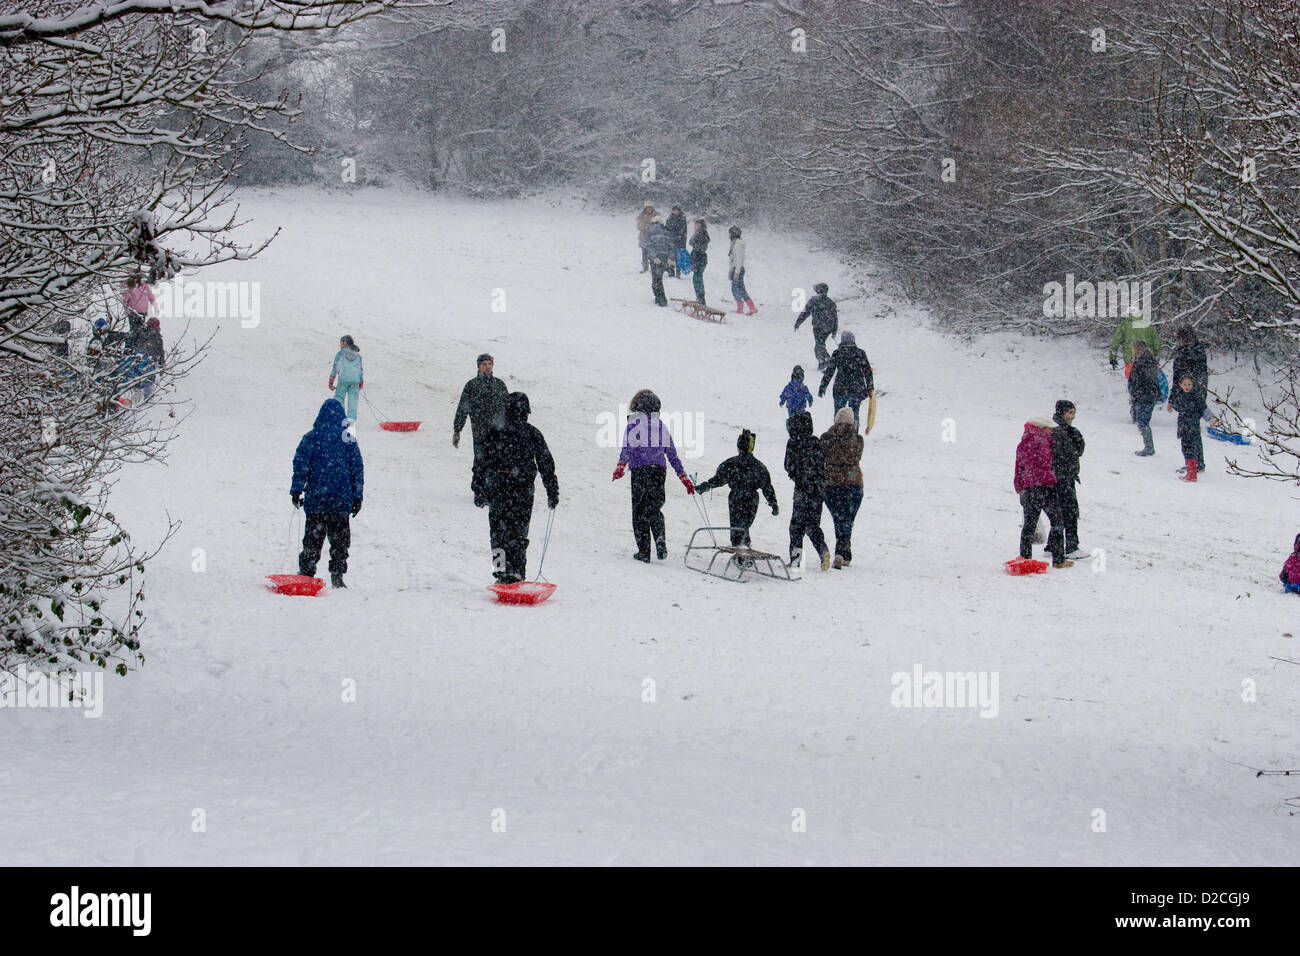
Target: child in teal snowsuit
346 378
795 396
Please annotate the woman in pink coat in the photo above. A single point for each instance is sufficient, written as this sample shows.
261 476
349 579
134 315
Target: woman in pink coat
1035 483
1290 575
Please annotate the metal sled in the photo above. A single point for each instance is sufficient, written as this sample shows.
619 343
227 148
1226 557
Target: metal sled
739 561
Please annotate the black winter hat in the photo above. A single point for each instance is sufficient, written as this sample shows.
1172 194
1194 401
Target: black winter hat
734 232
821 288
745 441
485 357
1063 406
797 374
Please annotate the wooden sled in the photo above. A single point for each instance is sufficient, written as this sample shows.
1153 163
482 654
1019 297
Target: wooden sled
697 310
737 562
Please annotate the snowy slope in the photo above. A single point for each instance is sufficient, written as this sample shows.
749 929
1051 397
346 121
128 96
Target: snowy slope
1120 689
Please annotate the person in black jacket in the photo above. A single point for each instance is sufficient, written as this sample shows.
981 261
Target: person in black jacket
747 476
699 257
514 454
676 226
1189 401
805 463
1190 358
1144 392
1067 449
825 321
854 380
482 401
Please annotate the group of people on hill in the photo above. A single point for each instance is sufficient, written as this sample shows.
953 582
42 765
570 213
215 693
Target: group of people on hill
1047 458
120 361
663 246
1138 342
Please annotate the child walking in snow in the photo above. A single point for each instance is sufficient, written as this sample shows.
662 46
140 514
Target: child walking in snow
647 445
805 463
347 377
795 396
747 476
1189 402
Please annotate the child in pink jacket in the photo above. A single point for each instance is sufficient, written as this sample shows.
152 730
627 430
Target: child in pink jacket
1035 483
1290 575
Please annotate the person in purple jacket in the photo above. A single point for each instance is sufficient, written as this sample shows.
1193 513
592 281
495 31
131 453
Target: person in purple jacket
646 444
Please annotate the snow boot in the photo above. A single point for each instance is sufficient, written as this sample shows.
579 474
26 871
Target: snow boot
837 563
826 560
1148 446
1190 471
740 307
752 310
661 549
645 558
336 581
1063 563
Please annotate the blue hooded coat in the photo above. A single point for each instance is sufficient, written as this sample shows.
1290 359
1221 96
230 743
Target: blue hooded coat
326 468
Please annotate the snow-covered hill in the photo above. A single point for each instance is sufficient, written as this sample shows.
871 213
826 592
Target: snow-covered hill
482 733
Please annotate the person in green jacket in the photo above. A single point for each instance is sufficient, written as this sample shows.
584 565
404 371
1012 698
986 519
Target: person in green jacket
1133 328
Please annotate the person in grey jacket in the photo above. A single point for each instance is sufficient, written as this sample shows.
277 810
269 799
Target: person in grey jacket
661 250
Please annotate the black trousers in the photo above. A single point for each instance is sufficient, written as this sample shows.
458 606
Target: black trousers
1067 502
819 347
319 526
1190 436
806 519
510 512
647 506
741 512
1032 501
657 267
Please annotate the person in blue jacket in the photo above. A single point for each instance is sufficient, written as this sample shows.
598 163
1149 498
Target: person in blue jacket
327 485
795 396
347 378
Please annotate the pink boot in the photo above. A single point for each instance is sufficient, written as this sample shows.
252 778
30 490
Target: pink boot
750 303
740 308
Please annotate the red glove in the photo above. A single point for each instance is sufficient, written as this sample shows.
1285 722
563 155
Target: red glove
331 383
618 472
360 386
690 488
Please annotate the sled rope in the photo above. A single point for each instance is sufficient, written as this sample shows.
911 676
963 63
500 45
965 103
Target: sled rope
546 540
704 513
293 537
373 410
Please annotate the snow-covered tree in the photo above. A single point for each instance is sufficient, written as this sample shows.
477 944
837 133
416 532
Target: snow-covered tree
120 123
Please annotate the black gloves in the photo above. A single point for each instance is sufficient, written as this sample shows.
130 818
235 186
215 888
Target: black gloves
296 497
1114 363
821 392
356 507
552 501
775 510
479 501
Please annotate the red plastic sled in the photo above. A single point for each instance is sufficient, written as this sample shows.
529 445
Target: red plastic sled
399 426
294 584
523 592
1025 566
